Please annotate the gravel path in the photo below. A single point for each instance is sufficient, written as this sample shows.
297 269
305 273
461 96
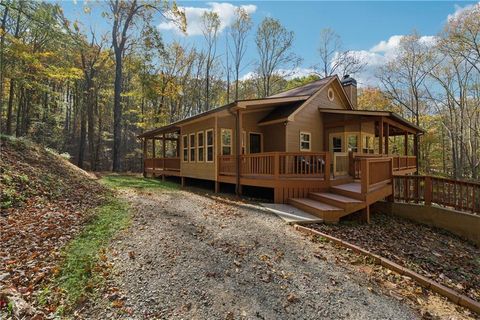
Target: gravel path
192 256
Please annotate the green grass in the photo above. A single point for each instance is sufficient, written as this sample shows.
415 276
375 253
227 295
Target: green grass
79 274
119 182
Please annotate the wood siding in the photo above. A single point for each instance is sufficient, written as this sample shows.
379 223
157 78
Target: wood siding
309 119
199 170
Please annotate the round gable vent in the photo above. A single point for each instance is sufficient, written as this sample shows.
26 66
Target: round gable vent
331 94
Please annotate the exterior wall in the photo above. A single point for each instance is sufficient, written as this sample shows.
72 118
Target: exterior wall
199 170
309 119
462 224
273 136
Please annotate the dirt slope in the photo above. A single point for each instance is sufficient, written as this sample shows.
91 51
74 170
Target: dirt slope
44 202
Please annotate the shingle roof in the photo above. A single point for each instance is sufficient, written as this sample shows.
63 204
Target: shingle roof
306 90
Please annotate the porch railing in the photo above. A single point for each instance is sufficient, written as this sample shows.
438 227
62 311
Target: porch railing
456 194
167 164
399 162
374 172
277 164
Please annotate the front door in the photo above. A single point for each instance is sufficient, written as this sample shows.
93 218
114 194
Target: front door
255 143
338 156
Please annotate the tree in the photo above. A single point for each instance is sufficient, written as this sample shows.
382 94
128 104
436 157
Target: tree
239 32
274 43
125 15
210 27
403 77
333 58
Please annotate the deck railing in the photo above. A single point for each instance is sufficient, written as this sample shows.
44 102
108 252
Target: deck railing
400 163
166 164
375 171
277 164
456 194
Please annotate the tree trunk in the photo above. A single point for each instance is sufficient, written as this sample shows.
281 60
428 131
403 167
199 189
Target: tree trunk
117 113
10 107
83 135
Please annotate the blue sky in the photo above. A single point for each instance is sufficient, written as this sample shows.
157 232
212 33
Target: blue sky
362 25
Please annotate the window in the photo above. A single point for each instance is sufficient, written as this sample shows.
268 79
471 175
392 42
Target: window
353 143
305 140
185 148
244 141
201 146
192 147
337 144
331 94
210 153
226 142
368 146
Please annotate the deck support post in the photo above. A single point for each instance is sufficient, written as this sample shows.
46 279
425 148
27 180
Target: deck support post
217 187
182 179
367 209
277 195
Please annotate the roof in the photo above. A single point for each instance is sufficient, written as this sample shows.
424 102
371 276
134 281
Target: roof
282 111
387 114
306 90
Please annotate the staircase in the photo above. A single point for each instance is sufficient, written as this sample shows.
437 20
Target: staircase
340 200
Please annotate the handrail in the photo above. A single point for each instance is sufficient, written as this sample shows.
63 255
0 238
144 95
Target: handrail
457 194
399 162
375 171
278 164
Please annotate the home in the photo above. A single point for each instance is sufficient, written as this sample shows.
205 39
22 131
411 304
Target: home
310 145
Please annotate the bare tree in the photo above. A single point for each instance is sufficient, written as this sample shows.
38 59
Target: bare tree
333 58
403 77
210 27
274 43
239 32
125 14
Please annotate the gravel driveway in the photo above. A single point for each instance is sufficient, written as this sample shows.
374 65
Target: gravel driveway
193 256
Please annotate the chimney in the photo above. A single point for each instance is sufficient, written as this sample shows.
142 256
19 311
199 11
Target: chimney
350 86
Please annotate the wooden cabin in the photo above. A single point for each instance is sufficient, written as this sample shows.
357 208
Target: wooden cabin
309 145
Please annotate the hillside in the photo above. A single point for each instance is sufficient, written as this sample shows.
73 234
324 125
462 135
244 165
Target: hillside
45 200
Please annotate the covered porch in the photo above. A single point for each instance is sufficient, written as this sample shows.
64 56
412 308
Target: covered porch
161 151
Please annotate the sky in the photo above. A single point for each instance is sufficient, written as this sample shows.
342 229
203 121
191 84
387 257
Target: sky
372 30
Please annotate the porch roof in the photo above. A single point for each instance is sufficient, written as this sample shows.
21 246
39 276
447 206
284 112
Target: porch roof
373 113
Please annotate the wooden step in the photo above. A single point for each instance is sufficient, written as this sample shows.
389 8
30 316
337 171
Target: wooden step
350 190
346 203
322 210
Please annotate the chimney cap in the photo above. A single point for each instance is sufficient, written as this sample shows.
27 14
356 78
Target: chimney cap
347 80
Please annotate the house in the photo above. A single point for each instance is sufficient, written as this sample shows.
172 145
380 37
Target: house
310 145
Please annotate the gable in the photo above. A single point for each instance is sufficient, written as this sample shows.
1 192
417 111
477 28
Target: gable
321 99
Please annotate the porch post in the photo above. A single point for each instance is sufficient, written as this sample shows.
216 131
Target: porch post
387 138
406 143
380 136
144 156
163 145
153 155
238 134
415 150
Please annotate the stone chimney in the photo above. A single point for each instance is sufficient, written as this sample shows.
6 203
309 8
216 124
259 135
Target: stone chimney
350 86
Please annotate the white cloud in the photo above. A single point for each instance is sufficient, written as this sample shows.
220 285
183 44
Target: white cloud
380 54
225 11
459 10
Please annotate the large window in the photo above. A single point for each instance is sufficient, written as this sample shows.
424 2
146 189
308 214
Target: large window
352 143
210 145
185 148
201 146
192 147
305 141
226 141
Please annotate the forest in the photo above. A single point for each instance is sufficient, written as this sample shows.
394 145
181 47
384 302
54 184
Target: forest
87 93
